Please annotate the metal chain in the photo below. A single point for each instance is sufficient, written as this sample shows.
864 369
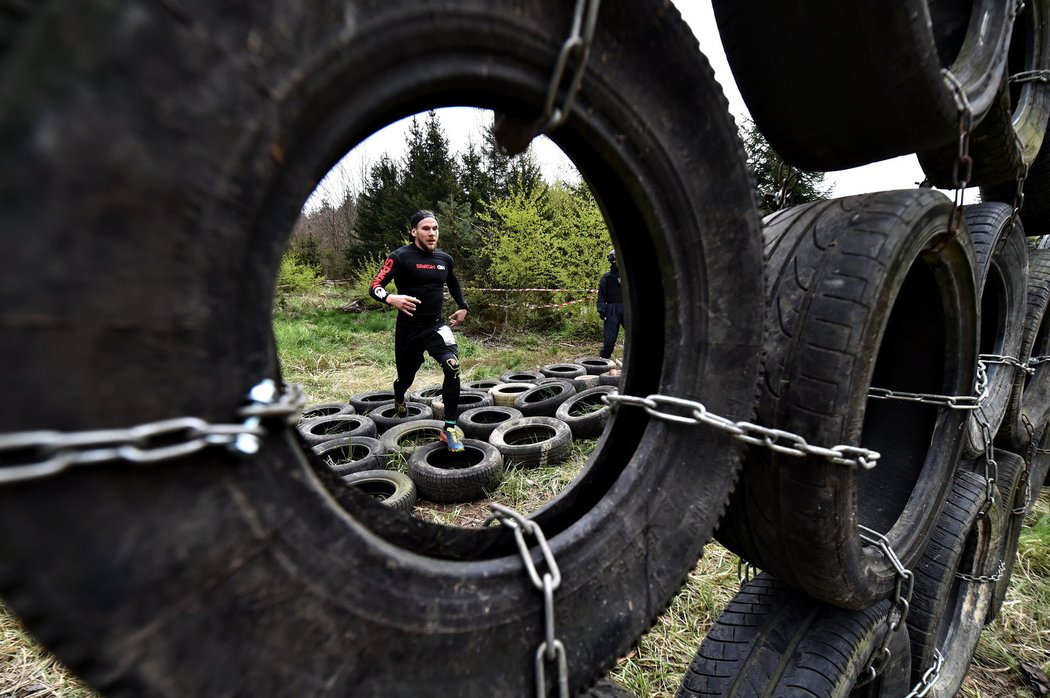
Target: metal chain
776 440
984 578
1036 360
962 169
929 677
578 46
991 466
551 649
745 571
786 173
901 603
29 455
1008 360
955 402
1031 76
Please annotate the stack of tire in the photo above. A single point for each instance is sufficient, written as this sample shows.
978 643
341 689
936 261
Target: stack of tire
525 419
155 159
880 309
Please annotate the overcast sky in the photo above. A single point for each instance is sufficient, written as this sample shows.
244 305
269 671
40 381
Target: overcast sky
461 124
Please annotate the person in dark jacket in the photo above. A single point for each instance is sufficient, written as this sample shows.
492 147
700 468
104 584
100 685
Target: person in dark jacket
610 305
420 271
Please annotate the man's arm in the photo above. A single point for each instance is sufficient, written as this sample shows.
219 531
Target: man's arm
405 304
456 292
601 297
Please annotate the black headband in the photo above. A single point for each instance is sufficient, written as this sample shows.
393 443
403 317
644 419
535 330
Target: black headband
420 215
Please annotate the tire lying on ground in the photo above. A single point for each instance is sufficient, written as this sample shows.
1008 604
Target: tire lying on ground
504 394
347 455
862 292
860 69
532 442
521 376
564 371
772 640
585 413
951 590
395 490
478 422
403 439
543 399
1001 259
327 409
585 382
368 401
1028 406
204 130
384 415
596 365
467 398
321 429
426 395
464 476
483 384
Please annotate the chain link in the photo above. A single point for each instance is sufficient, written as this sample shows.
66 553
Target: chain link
929 677
30 455
578 46
901 603
1031 76
776 440
551 649
962 168
745 571
955 402
991 466
984 578
1036 360
1007 360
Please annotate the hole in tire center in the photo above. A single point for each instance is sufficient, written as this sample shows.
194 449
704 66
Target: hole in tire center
447 460
531 434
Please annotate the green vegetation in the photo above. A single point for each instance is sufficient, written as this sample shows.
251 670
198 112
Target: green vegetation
337 353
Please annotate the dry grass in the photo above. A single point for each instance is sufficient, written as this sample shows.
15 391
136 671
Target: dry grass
653 669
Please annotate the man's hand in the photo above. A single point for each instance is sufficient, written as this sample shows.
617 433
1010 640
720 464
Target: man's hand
406 304
601 315
457 317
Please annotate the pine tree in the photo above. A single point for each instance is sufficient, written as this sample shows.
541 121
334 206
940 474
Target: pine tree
777 184
382 213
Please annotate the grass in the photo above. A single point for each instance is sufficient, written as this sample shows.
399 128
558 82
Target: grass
337 354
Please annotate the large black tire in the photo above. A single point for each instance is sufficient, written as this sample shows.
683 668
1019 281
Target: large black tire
479 422
521 376
347 455
368 401
864 291
532 442
328 409
395 490
596 365
563 371
464 476
468 398
1012 503
607 688
426 395
585 413
543 399
482 384
155 158
774 641
1027 409
403 439
952 585
857 67
385 418
1002 276
1035 213
321 429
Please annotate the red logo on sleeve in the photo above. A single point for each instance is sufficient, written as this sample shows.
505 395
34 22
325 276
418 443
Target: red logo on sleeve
381 276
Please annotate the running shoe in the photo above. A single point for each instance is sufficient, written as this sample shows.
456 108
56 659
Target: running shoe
452 437
400 411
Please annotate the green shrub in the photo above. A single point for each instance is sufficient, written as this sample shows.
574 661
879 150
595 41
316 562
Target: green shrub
296 276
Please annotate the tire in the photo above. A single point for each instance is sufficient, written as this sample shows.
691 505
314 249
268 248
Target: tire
347 455
467 398
402 440
366 402
395 490
613 377
606 688
1027 407
532 442
1039 466
198 132
383 415
596 365
478 422
425 395
484 384
543 400
856 68
448 478
521 376
1002 270
328 409
563 371
862 292
1012 504
585 413
947 611
772 640
321 429
585 382
1035 213
504 394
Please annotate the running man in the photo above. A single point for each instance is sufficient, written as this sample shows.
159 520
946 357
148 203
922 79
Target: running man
610 305
420 271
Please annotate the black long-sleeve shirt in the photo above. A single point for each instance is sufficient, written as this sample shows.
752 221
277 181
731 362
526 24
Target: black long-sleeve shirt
422 274
609 290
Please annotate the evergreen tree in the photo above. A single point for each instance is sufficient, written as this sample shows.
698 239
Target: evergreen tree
429 171
772 174
382 213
